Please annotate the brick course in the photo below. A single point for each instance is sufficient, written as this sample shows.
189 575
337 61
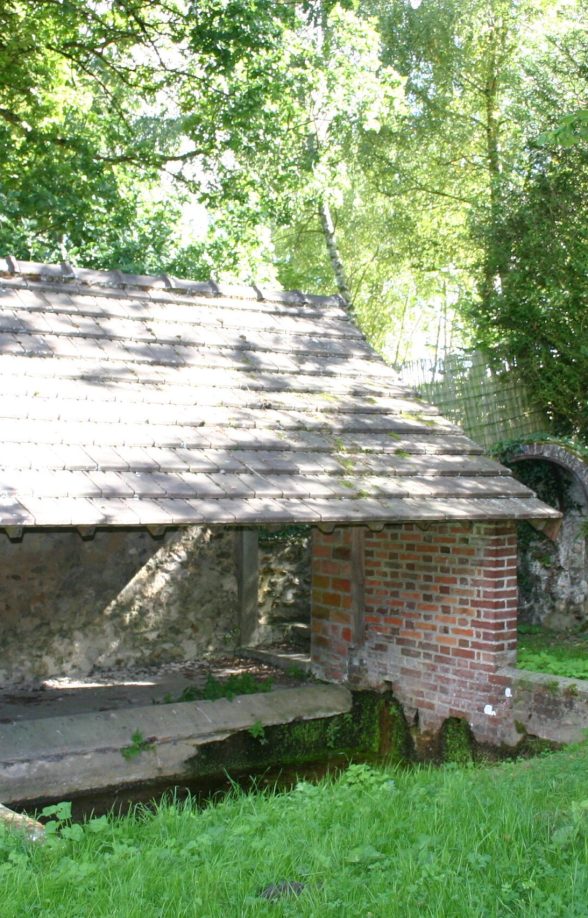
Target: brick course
440 611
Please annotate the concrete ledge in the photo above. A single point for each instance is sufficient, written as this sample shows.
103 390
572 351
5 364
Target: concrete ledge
550 707
61 757
284 660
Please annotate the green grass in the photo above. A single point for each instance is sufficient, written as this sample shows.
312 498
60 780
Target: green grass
561 654
375 843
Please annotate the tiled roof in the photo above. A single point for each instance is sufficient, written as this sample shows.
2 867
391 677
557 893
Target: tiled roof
130 400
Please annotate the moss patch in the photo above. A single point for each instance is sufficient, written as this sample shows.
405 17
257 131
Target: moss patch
362 732
456 742
398 742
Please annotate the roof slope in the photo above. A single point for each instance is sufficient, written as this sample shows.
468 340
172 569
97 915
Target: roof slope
131 400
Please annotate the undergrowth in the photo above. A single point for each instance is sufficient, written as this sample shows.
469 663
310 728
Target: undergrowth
373 843
551 652
213 689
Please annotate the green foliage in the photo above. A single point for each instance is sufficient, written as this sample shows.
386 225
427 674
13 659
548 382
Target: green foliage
550 652
213 689
535 319
212 137
571 130
547 662
295 534
257 731
456 741
297 672
137 746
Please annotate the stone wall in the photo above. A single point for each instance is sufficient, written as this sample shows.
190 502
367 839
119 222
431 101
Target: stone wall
69 606
548 707
553 574
440 609
284 582
124 599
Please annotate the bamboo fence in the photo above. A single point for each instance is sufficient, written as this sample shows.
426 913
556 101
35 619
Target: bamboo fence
491 405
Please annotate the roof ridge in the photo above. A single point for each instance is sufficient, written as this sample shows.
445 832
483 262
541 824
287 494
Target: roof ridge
64 272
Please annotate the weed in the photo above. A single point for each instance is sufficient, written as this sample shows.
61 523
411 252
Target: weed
529 629
346 463
242 684
557 653
138 745
361 493
297 672
257 731
539 661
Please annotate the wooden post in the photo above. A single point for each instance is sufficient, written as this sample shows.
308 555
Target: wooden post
358 583
247 558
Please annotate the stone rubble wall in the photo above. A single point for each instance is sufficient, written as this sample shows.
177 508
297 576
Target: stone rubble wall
124 599
553 575
284 585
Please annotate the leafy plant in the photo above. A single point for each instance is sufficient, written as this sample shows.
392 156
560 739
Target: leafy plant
557 653
138 745
297 672
239 684
257 731
545 662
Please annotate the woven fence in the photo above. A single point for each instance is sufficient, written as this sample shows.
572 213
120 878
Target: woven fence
490 404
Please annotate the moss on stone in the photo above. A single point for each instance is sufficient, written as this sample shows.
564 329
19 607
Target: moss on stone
362 732
400 744
456 741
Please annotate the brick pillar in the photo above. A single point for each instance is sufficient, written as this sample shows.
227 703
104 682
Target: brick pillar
440 619
331 629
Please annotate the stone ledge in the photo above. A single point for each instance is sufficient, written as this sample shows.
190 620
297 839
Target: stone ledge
62 757
553 708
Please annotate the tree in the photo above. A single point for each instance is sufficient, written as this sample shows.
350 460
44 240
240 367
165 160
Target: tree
537 320
81 151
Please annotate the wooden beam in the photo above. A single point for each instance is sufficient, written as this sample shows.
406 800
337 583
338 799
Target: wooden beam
550 528
87 532
358 583
327 528
14 533
156 531
247 558
376 526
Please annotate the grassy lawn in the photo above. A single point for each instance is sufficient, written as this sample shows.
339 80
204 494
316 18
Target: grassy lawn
560 653
374 843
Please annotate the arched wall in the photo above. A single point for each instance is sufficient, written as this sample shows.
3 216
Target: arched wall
553 452
553 575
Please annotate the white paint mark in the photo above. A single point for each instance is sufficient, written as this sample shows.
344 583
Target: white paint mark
489 710
508 693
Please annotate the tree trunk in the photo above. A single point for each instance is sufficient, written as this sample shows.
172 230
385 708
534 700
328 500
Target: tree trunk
492 273
330 237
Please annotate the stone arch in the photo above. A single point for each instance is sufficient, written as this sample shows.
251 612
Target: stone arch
553 576
558 455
